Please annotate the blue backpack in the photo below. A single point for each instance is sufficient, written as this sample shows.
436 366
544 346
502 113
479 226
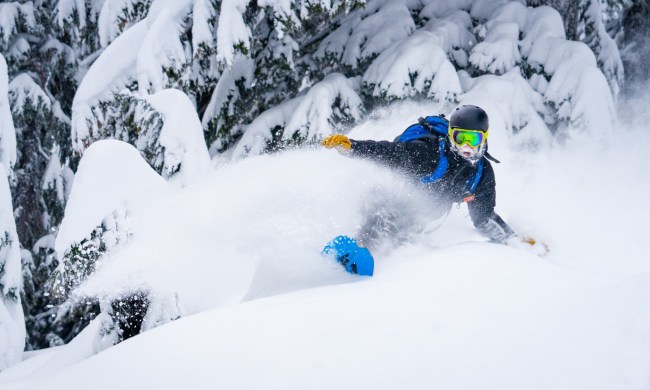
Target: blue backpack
436 128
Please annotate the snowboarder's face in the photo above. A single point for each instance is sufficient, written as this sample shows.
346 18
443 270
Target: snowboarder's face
468 152
469 144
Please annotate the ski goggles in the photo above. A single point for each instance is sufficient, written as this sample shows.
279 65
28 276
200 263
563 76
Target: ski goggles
473 138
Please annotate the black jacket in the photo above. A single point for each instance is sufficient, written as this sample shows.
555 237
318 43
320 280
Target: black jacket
419 158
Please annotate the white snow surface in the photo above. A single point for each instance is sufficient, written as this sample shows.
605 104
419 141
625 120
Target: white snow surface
239 249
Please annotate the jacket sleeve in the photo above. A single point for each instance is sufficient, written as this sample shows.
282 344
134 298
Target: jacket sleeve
402 155
481 209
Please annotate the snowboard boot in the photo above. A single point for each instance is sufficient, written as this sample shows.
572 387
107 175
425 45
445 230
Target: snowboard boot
355 258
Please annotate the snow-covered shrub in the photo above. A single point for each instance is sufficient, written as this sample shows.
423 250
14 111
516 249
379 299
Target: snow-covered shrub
112 179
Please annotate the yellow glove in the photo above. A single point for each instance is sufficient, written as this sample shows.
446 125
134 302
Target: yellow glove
530 244
337 140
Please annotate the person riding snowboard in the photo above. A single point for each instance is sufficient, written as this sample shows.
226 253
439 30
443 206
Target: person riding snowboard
450 159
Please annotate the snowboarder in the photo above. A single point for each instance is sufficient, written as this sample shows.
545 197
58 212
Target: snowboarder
450 159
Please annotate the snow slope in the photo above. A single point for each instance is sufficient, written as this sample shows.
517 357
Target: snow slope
239 250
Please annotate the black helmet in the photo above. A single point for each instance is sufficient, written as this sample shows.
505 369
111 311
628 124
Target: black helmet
470 118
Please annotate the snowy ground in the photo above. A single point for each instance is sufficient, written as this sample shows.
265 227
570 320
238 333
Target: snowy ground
446 310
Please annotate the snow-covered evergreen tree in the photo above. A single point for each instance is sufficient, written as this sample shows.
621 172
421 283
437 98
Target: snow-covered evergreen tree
42 54
12 325
586 21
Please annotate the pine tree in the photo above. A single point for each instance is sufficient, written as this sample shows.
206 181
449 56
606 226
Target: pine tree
12 326
42 59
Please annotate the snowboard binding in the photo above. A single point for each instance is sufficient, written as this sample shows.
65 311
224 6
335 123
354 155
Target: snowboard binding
354 258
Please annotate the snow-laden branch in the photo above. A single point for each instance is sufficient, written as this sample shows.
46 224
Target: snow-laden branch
498 52
226 92
23 89
365 33
65 10
113 18
414 66
308 117
141 53
233 35
182 154
9 15
202 31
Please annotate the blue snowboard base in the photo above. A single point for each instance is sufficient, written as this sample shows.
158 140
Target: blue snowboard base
356 259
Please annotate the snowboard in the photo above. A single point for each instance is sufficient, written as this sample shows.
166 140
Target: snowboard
355 258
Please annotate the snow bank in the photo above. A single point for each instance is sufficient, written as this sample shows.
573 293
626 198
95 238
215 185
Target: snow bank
472 316
110 175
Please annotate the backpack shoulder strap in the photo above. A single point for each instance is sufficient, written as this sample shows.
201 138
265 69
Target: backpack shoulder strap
443 164
473 181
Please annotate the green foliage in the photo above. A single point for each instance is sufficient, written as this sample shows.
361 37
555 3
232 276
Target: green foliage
128 314
39 130
78 262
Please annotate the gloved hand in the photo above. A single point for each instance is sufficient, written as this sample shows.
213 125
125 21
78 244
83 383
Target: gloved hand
337 141
529 244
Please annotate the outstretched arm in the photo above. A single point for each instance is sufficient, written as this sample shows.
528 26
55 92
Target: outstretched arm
403 155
